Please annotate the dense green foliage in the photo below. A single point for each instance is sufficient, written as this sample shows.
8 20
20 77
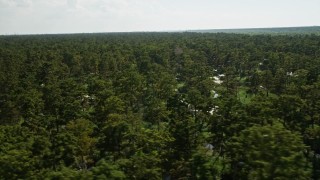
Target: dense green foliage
160 105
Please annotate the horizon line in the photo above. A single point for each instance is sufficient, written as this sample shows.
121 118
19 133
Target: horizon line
158 31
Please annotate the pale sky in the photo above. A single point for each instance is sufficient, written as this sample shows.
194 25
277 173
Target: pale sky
78 16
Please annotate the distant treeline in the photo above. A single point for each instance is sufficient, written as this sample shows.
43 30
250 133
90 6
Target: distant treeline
272 31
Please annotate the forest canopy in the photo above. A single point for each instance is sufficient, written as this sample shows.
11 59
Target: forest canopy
160 106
